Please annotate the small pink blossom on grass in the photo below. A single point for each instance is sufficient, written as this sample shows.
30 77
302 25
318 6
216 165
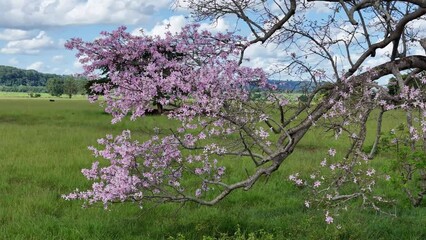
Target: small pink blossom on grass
263 117
293 177
370 172
201 135
198 192
317 184
299 182
328 219
198 171
307 204
332 152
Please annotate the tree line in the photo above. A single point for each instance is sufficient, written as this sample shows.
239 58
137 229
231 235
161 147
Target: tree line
69 86
11 76
18 80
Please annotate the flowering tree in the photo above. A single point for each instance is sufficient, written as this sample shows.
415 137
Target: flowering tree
205 78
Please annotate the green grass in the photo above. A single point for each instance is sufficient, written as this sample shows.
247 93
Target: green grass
43 147
23 95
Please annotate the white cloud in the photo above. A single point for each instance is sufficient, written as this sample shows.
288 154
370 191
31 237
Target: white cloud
30 13
14 34
219 26
78 66
265 56
345 33
182 6
36 66
174 24
319 7
419 25
28 46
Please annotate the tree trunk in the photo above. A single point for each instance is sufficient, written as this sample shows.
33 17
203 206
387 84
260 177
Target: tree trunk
160 108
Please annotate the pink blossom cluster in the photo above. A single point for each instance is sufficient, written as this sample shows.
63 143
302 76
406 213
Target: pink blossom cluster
197 69
137 170
125 177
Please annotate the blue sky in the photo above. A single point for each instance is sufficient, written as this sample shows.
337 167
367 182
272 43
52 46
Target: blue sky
33 32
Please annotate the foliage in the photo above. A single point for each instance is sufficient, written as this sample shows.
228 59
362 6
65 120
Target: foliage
70 87
34 95
10 76
409 162
55 87
411 81
393 86
19 80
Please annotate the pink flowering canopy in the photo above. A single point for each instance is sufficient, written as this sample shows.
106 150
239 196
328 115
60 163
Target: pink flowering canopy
193 64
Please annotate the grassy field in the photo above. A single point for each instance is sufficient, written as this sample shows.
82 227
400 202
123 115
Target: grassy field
23 95
43 147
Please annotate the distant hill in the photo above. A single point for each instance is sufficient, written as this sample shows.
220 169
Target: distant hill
288 86
11 76
292 86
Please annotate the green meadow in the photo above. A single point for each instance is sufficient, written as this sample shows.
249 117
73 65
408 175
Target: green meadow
43 147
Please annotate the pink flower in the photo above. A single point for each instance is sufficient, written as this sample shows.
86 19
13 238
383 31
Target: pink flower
332 152
293 177
198 192
283 102
317 184
328 219
198 171
370 172
263 117
201 135
220 171
307 204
